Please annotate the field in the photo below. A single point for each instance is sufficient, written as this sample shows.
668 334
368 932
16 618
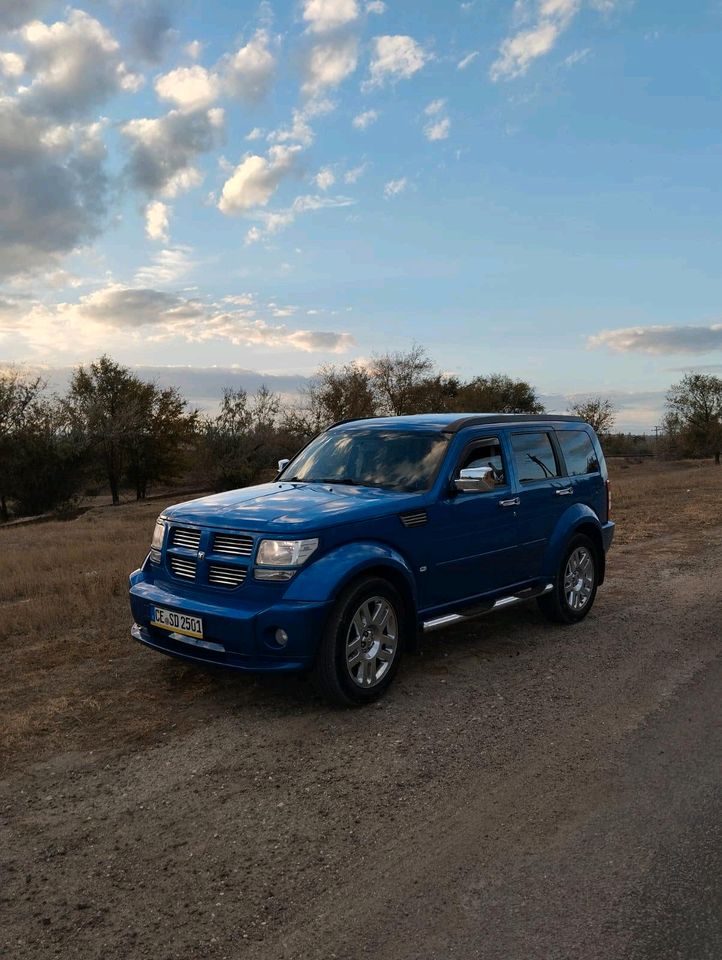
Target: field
157 809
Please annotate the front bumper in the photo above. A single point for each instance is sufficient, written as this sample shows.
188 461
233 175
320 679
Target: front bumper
237 636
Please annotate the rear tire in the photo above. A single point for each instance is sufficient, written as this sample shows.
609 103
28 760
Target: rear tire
575 585
362 643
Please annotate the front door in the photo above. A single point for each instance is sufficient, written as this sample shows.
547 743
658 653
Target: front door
475 534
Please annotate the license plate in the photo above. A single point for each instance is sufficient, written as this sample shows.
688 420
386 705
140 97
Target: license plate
177 622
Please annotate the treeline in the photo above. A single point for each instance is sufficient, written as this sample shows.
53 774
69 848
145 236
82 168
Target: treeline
116 431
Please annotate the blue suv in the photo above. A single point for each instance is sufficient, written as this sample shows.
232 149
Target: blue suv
377 531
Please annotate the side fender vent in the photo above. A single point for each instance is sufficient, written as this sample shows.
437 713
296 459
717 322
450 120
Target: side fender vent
414 518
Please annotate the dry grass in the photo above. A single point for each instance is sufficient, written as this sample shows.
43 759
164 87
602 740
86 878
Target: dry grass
71 675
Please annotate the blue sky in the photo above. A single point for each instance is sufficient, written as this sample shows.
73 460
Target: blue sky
529 187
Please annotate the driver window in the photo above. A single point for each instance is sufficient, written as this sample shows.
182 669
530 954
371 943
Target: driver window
485 454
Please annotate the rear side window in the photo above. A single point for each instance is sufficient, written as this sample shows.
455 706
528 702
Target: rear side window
579 453
534 457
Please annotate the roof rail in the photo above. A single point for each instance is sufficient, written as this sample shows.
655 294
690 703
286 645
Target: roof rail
475 420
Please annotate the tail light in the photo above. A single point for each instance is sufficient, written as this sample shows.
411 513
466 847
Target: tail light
609 500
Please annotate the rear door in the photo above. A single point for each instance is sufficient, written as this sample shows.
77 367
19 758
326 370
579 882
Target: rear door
583 469
475 534
542 491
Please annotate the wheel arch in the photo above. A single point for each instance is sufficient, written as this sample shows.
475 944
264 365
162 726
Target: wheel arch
578 519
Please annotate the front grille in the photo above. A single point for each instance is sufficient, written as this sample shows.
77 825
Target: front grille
221 575
232 544
183 537
415 518
181 567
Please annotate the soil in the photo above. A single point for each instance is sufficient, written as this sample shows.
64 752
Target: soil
524 791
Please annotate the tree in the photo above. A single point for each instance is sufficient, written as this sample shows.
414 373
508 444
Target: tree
18 392
599 412
132 428
695 406
400 381
498 393
338 393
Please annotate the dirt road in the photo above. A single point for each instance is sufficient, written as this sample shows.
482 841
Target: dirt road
525 791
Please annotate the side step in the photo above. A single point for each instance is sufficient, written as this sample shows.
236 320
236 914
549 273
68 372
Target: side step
471 613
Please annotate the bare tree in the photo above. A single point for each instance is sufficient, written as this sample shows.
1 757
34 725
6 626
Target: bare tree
599 412
498 393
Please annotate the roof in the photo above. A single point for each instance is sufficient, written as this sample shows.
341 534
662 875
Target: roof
453 422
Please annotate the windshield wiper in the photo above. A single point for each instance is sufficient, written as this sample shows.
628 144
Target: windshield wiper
346 481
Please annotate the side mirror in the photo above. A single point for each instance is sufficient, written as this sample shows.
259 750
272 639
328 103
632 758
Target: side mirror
282 464
475 480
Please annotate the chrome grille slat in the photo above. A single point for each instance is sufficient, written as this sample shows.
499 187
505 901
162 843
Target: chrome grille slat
234 545
222 576
183 537
181 567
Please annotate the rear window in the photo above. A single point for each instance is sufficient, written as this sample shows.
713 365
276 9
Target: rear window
534 457
579 453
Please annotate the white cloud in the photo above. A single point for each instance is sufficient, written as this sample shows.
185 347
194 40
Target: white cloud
255 180
660 340
355 173
576 57
364 120
395 58
11 64
256 134
438 129
273 222
193 49
376 6
436 106
75 65
163 150
325 178
467 60
189 88
157 217
329 63
394 187
517 53
115 314
324 16
166 267
249 72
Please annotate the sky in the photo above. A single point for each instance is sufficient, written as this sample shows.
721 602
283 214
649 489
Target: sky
207 188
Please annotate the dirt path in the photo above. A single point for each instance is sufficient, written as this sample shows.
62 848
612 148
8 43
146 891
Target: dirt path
525 791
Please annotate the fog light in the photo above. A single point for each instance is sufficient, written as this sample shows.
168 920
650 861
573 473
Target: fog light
281 637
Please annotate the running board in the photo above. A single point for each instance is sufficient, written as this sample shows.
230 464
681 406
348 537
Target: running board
438 623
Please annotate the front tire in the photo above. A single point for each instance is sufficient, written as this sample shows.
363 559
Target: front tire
362 643
575 585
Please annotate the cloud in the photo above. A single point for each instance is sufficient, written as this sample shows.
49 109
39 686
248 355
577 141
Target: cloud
394 187
376 6
189 88
355 173
661 340
325 16
329 63
157 216
117 313
364 120
167 267
395 58
325 178
255 180
467 60
163 150
517 53
435 107
272 222
256 134
249 73
53 189
438 129
151 32
75 65
193 49
14 13
11 64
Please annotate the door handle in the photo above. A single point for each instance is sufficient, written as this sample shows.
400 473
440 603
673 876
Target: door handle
564 492
514 502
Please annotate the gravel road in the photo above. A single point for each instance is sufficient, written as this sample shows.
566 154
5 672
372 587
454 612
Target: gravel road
525 791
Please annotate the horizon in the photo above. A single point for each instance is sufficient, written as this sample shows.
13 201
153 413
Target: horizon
265 187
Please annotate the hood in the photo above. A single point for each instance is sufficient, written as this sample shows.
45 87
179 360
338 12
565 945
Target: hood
289 507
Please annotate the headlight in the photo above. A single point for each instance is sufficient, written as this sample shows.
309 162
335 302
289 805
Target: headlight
285 553
156 544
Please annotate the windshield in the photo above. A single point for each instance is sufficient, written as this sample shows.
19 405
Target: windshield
392 459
